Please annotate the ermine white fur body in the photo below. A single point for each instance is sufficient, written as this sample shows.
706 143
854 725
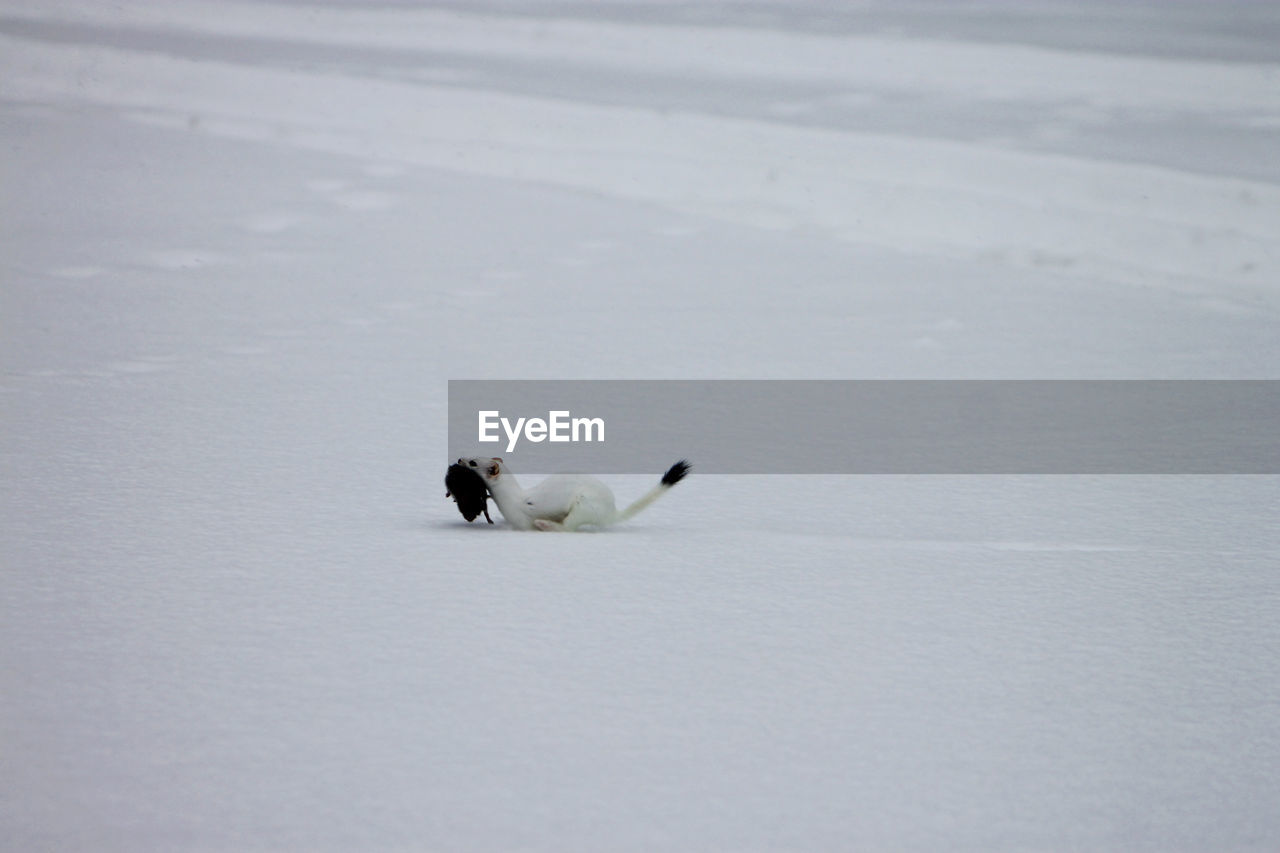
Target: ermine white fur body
563 501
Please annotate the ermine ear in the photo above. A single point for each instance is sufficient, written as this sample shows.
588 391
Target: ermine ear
496 458
493 470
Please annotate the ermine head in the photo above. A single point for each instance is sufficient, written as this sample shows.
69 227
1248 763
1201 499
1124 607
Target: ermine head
490 468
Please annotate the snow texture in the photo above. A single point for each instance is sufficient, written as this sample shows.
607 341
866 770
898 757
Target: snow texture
244 245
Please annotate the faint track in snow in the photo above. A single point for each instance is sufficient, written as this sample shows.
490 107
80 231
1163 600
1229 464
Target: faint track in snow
860 63
1106 221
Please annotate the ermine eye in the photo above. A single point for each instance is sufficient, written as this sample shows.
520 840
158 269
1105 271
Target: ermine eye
473 463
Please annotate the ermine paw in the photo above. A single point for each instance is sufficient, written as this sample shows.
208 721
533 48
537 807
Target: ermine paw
544 524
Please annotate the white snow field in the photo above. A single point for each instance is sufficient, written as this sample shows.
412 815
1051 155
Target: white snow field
244 245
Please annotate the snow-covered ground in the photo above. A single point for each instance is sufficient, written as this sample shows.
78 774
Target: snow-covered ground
244 245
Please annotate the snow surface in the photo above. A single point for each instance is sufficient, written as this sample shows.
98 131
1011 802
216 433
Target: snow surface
244 245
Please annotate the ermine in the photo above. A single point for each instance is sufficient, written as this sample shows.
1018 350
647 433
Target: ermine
563 501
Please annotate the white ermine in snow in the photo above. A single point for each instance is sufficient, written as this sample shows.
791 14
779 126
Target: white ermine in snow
562 501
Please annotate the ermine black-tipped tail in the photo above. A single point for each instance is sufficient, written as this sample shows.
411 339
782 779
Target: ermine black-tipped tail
675 473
